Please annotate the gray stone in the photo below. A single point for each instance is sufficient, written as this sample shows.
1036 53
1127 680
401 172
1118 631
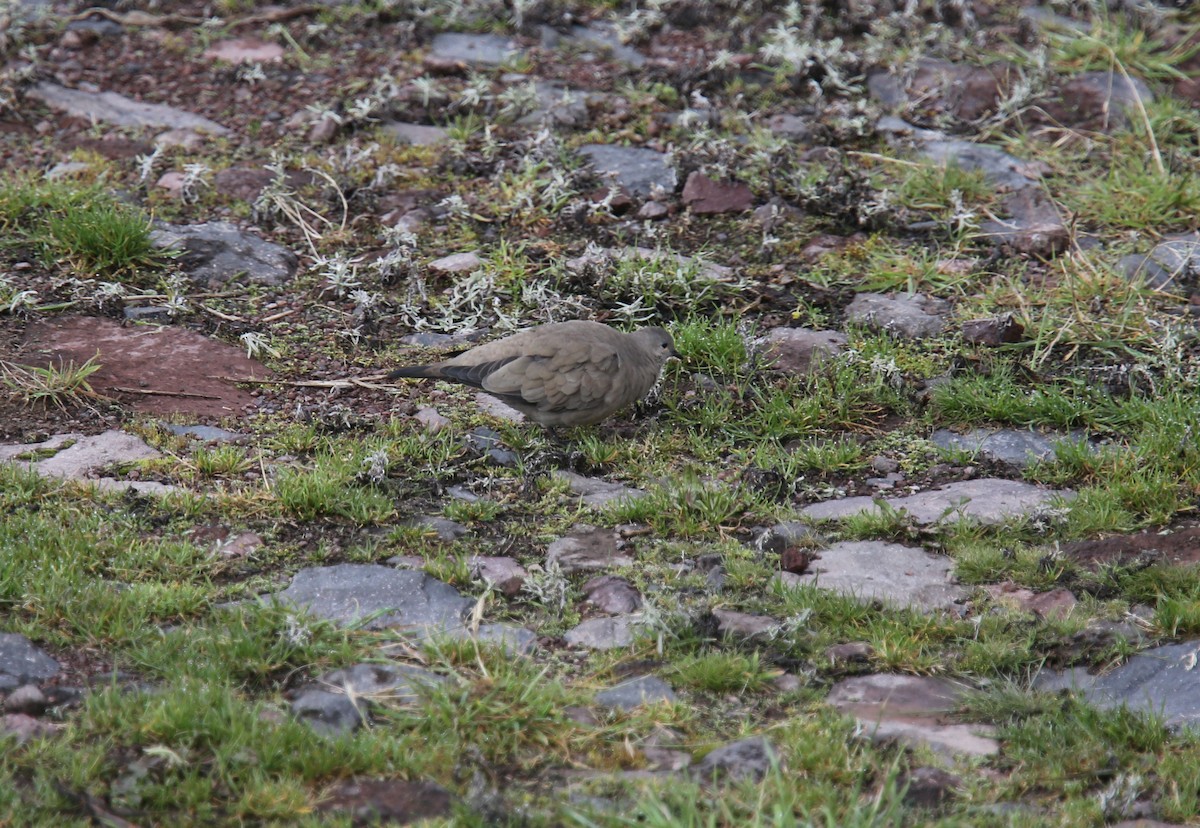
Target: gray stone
1160 681
912 710
420 135
26 699
216 252
1048 19
23 727
910 316
330 714
209 434
432 420
457 263
1105 100
392 683
594 492
510 638
601 634
1016 447
743 625
1174 261
637 169
473 49
778 538
77 457
1004 171
798 351
348 593
744 759
588 548
558 105
112 108
877 570
790 126
500 573
602 258
604 37
1033 225
147 313
611 594
636 692
987 500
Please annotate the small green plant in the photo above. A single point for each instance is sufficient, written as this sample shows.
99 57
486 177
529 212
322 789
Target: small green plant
470 511
221 461
723 672
62 386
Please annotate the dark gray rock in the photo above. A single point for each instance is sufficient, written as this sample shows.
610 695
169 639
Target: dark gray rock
26 699
595 492
1004 171
912 316
636 692
510 638
1016 447
473 49
1032 225
558 105
603 37
987 500
109 107
445 529
329 713
348 593
611 594
890 572
742 624
1159 681
637 169
588 548
209 434
744 759
1174 261
216 252
601 634
421 135
391 683
25 661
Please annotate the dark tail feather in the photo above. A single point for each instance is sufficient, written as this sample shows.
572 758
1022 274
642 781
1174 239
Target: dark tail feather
415 371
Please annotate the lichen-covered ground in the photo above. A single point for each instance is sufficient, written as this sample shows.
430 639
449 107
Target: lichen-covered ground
907 536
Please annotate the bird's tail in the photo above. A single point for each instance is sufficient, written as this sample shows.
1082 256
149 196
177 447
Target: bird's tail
416 372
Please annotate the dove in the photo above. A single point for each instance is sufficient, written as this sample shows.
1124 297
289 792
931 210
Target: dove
561 374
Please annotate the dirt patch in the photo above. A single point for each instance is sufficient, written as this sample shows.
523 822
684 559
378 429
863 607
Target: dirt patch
1181 546
154 369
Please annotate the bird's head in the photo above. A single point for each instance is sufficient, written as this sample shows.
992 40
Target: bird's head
657 344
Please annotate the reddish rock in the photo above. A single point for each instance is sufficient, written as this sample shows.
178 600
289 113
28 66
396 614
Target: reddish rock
794 559
156 370
703 195
996 331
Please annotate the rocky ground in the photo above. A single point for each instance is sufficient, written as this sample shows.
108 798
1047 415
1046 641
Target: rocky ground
906 537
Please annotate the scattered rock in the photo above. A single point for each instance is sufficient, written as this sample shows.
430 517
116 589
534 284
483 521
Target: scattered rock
703 196
594 492
745 759
798 351
604 37
112 108
26 699
601 634
912 710
502 574
444 529
1033 227
390 683
612 594
588 548
1016 447
386 801
24 661
432 420
215 252
420 135
1159 681
78 457
170 361
508 637
1001 169
1175 261
450 48
204 433
987 500
853 652
743 625
636 692
245 50
348 593
456 263
910 316
640 171
999 330
1056 604
1104 101
25 728
881 571
328 713
929 787
1180 546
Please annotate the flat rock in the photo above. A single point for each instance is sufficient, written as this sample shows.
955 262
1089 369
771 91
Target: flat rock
113 108
1055 603
166 360
987 500
595 492
473 49
1159 681
636 692
245 50
597 257
637 169
510 638
877 570
912 316
1103 100
215 252
912 710
1032 225
601 634
798 351
348 593
500 573
1175 261
457 263
603 37
557 105
1019 448
420 135
588 548
444 529
204 433
1004 171
77 457
379 682
703 195
24 661
386 801
23 727
744 759
329 713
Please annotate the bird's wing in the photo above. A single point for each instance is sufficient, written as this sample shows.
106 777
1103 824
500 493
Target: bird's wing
477 374
575 377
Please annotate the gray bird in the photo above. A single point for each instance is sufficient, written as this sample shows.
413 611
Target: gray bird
562 374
